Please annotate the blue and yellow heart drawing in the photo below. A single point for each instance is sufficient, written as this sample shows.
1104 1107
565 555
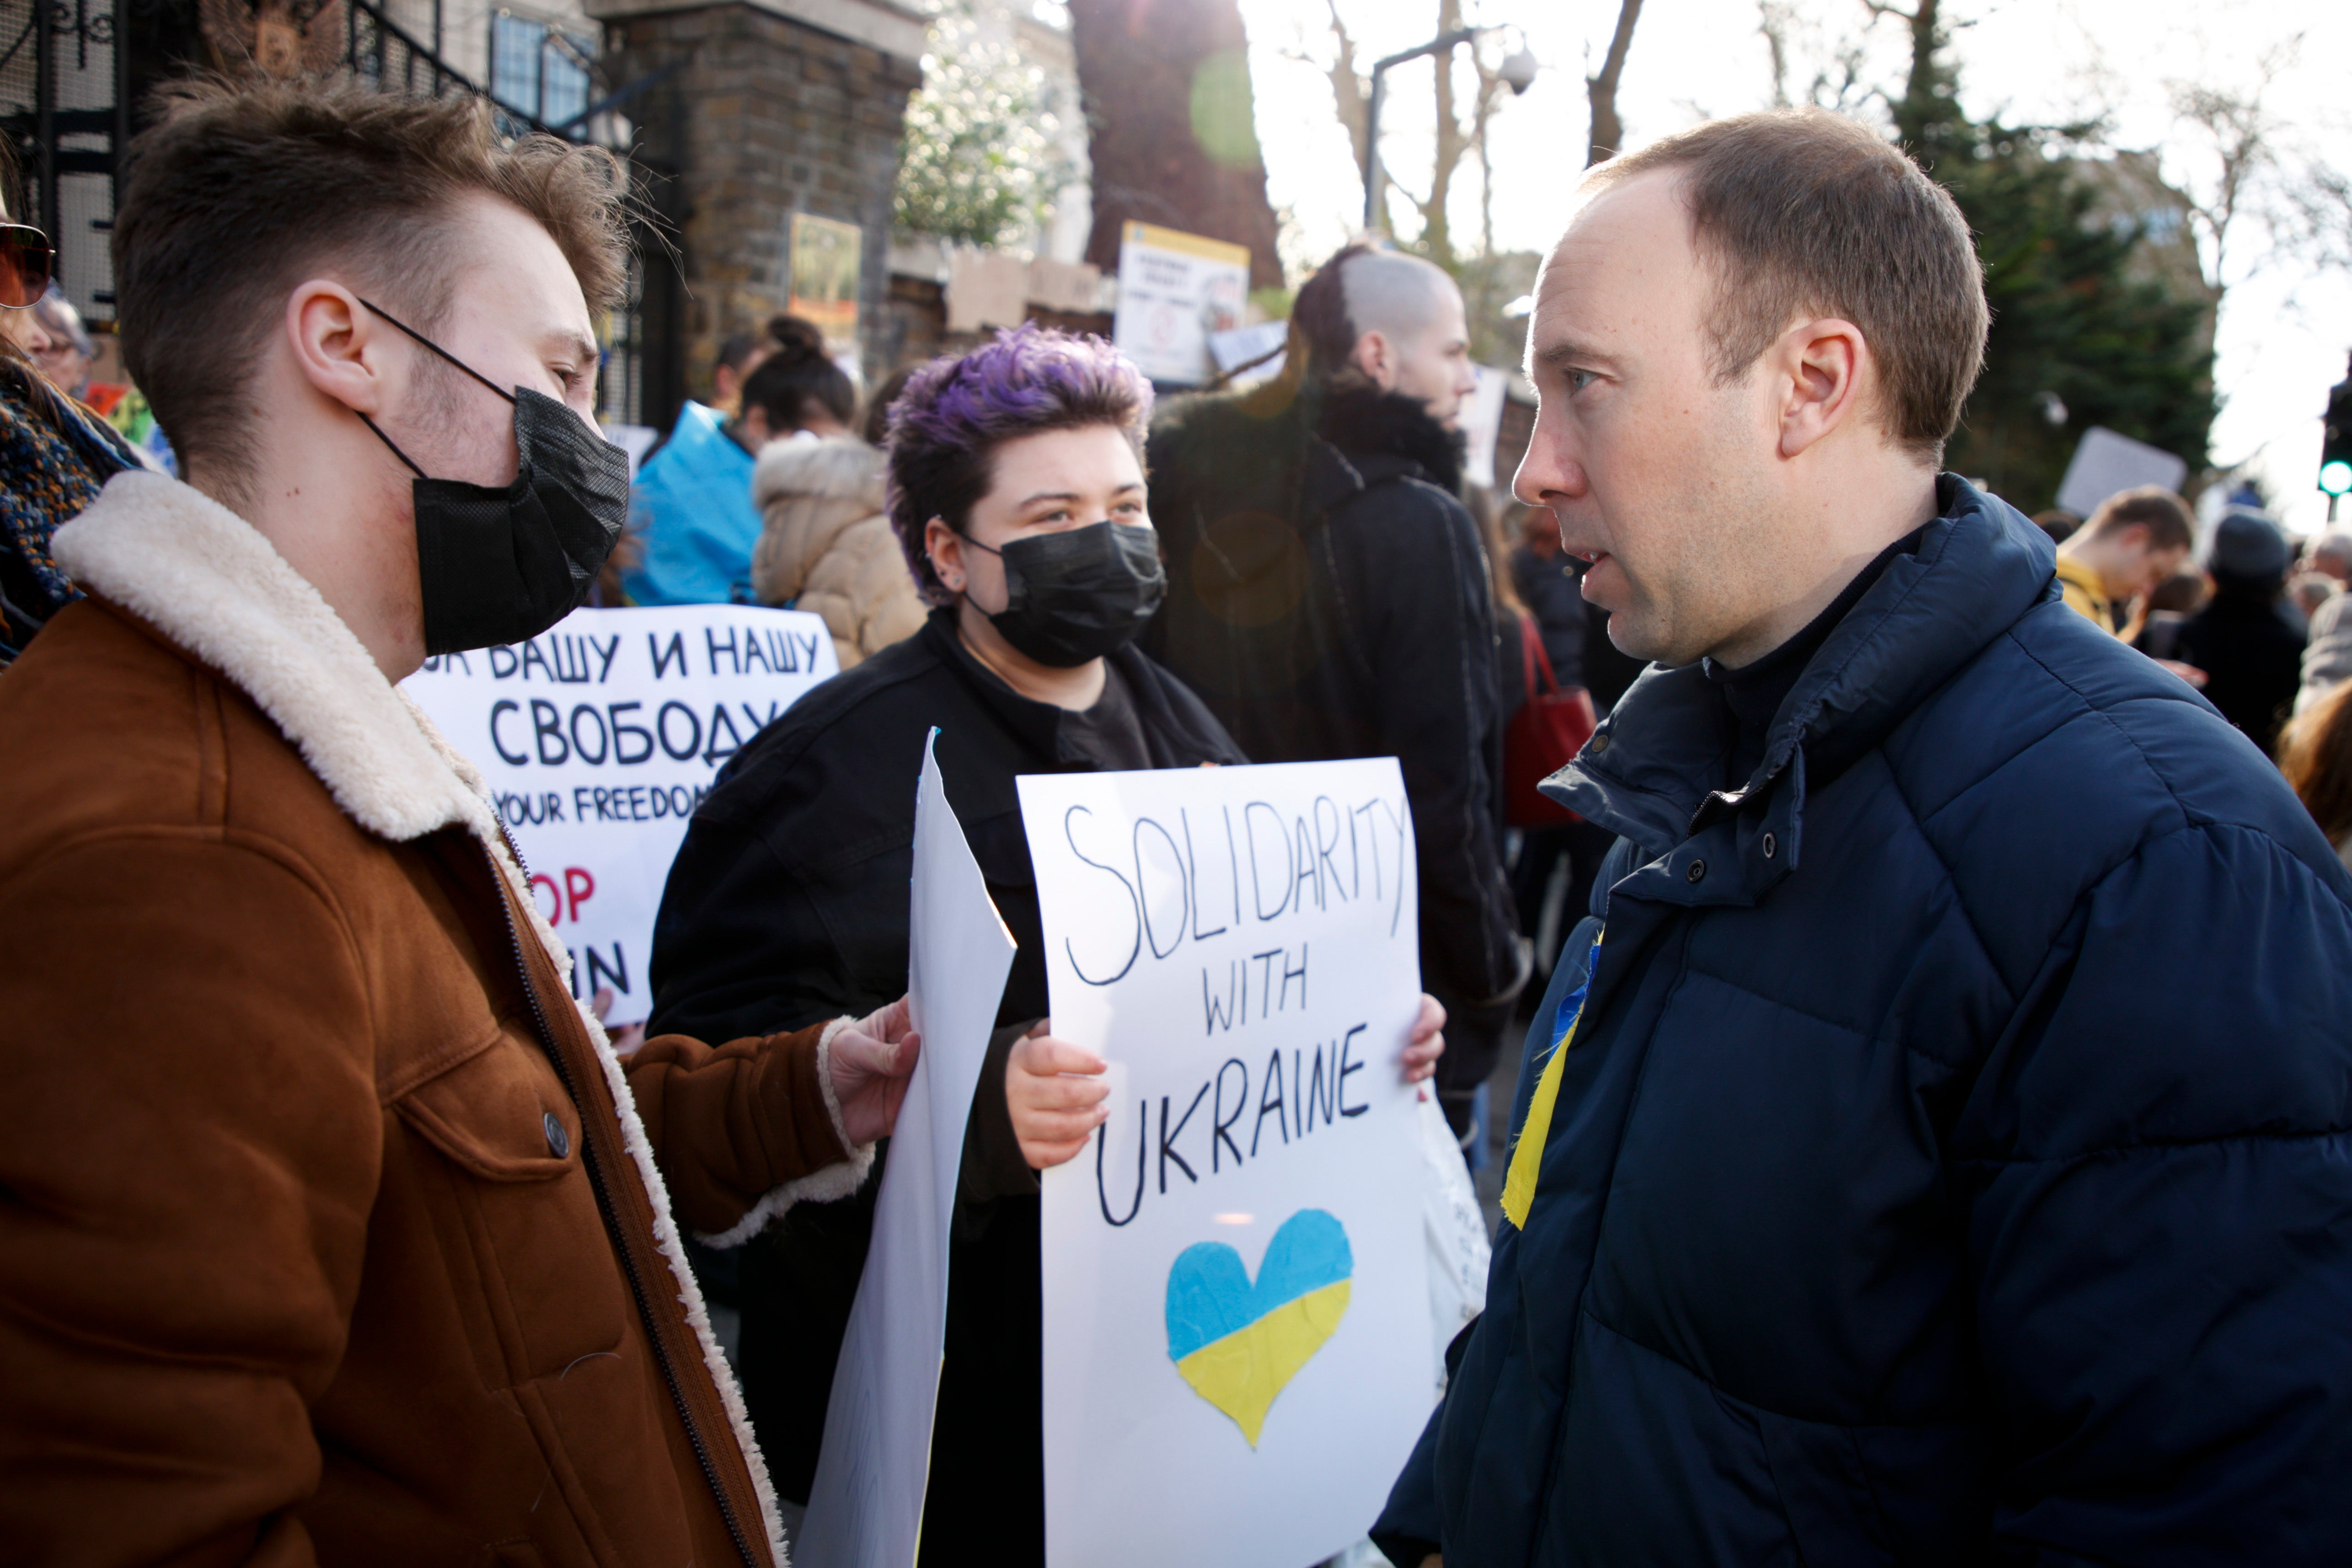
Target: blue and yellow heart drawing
1239 1343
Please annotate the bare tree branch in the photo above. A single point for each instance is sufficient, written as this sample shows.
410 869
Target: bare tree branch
1350 92
1608 133
1797 42
2242 132
1772 19
2320 217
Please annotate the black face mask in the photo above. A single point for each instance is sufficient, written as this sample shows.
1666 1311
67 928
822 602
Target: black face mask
1078 594
502 565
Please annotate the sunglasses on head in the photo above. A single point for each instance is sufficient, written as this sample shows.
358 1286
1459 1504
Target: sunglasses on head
26 261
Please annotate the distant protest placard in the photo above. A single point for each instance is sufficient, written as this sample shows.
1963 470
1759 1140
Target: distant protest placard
600 737
1236 1297
1175 291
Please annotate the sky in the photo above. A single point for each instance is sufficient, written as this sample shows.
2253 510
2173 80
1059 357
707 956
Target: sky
2287 321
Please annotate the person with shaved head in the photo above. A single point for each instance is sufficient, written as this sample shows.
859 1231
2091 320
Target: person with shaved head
1328 597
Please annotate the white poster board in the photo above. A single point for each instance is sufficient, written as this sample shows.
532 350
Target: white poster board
2105 464
866 1506
1236 1294
1258 347
599 737
1481 426
1175 290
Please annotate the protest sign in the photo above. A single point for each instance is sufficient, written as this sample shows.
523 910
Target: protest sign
1176 289
598 740
865 1506
1481 421
2106 463
1236 1296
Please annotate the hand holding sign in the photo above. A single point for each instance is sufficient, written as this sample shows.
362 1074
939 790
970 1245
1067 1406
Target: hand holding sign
1056 1092
865 1505
1426 1043
873 1060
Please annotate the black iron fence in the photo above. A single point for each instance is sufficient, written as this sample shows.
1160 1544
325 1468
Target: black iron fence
61 108
73 71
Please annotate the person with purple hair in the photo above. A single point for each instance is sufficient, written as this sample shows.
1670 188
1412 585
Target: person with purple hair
1016 490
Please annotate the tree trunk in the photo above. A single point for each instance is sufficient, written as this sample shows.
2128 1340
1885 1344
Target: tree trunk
1922 113
1436 227
1349 95
1170 126
1608 136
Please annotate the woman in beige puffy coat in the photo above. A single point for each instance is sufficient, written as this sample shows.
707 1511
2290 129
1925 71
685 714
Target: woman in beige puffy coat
827 546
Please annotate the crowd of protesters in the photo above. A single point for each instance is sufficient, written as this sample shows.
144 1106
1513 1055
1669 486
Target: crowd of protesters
1931 1131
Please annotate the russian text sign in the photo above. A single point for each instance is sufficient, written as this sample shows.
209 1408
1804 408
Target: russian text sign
600 737
1236 1298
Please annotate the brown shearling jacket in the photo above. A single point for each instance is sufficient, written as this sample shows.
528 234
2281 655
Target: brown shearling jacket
328 1228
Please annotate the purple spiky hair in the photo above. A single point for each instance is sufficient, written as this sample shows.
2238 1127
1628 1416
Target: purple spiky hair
956 411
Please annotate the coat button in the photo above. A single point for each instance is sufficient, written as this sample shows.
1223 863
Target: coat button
1698 870
1597 744
1770 844
559 1142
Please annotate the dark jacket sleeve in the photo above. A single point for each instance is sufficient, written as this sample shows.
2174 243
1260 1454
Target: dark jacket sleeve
1428 633
741 947
1555 600
1408 1529
2156 1166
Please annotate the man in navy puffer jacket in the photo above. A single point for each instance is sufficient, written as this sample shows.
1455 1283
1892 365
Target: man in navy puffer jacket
1935 1148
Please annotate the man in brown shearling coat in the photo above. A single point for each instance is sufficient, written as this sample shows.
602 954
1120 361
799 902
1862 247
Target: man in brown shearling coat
330 1231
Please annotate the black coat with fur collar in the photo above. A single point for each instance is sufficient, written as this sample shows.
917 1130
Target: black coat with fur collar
1328 597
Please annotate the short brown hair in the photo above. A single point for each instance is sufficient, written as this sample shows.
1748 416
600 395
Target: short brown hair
2152 507
240 190
1804 210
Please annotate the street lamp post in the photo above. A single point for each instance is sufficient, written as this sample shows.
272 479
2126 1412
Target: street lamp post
1517 73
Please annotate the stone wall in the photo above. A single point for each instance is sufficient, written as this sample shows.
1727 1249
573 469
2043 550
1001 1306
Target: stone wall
759 116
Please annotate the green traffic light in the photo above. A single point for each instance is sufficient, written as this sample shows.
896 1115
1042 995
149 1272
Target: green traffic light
2336 477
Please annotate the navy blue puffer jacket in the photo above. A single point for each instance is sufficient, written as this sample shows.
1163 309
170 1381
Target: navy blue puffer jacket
1952 1164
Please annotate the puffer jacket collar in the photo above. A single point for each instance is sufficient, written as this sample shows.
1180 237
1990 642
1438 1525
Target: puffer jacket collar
806 469
1650 772
200 576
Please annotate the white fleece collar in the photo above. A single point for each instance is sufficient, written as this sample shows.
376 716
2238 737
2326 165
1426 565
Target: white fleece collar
203 577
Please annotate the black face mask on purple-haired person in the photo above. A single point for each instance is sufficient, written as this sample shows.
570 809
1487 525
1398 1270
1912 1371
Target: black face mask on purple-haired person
1074 596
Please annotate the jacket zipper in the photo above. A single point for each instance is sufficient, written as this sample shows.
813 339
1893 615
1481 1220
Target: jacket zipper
612 1219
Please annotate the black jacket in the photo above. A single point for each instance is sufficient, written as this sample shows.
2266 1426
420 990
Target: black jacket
1327 598
1555 597
2252 656
787 904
